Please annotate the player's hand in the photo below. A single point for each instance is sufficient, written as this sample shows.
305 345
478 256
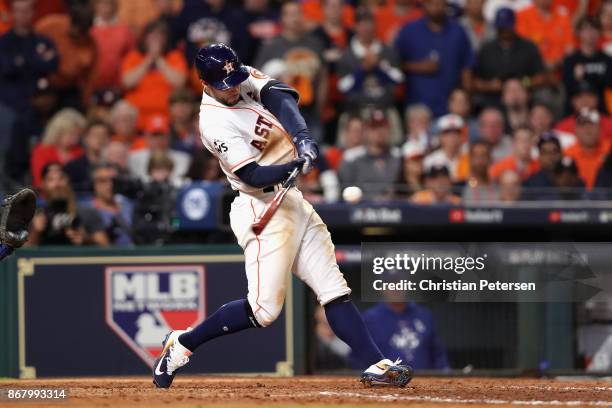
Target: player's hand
295 164
309 151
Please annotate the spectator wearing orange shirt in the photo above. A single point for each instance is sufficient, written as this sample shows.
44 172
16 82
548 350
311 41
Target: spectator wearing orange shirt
77 50
550 30
150 73
521 160
314 14
578 9
113 39
60 142
5 17
392 16
138 13
590 150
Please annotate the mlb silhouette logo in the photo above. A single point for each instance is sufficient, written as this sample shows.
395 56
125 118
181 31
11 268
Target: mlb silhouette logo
143 304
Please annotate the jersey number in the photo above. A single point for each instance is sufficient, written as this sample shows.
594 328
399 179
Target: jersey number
262 129
220 146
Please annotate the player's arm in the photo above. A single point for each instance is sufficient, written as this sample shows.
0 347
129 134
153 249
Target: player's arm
236 153
262 176
281 100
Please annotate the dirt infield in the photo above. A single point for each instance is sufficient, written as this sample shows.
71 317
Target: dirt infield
318 392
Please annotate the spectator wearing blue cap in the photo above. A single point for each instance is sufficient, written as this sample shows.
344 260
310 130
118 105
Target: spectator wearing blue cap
507 56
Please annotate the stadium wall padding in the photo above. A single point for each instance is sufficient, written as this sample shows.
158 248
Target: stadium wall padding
50 294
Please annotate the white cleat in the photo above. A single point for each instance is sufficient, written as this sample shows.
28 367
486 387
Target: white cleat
387 372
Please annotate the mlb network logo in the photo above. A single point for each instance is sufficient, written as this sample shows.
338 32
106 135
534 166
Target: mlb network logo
143 304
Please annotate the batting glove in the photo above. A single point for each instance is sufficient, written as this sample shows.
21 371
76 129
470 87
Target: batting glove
309 151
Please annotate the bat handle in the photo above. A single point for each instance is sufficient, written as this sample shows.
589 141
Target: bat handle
291 177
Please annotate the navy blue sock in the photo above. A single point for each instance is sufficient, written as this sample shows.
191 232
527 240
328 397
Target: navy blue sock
230 318
346 321
5 251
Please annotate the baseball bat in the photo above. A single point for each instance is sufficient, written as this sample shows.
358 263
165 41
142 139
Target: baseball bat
261 222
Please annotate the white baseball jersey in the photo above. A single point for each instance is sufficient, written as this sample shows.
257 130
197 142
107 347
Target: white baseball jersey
296 239
245 132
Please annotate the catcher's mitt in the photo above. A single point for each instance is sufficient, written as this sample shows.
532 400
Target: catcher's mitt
15 216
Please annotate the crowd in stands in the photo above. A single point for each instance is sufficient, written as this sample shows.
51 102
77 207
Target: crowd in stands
426 101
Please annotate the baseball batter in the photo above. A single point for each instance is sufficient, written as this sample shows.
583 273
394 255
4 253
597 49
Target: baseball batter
252 124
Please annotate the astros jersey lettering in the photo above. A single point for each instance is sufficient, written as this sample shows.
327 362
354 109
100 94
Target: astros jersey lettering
245 132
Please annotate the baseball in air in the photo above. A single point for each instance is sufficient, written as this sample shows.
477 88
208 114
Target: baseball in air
352 194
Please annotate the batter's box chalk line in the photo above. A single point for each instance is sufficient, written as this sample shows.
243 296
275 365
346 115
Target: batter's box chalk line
444 400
